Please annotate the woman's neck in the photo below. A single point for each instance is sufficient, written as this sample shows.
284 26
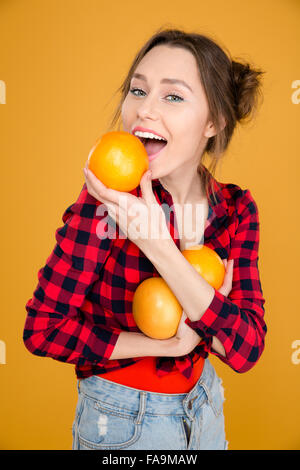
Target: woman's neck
185 188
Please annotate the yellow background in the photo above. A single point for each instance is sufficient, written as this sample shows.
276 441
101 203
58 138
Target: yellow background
62 61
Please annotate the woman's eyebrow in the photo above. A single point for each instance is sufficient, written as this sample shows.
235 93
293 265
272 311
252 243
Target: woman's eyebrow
164 80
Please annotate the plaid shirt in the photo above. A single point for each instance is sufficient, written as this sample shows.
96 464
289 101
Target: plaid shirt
83 299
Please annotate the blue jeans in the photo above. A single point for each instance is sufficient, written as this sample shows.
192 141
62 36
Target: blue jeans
113 416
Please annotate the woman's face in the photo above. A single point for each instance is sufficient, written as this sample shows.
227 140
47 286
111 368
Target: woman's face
181 119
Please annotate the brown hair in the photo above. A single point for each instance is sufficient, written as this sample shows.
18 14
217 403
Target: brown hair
232 89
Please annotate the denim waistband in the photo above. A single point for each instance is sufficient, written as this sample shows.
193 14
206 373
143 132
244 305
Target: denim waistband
132 400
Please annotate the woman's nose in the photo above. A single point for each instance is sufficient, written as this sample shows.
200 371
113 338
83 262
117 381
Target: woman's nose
147 108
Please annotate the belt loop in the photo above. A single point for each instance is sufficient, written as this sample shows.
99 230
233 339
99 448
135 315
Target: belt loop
142 407
190 403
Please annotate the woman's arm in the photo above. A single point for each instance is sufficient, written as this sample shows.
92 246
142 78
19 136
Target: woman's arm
237 321
137 345
55 326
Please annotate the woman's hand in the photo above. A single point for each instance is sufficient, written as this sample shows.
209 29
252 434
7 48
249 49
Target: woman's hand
141 219
186 338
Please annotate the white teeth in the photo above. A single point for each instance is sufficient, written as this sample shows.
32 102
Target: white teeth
148 135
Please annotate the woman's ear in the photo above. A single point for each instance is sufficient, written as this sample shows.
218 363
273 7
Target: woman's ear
211 130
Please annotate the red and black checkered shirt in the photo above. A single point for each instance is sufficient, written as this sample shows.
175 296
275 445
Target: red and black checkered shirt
83 299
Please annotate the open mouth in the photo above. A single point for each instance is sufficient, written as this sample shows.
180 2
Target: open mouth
152 146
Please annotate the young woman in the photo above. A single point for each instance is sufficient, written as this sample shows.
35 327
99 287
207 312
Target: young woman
136 392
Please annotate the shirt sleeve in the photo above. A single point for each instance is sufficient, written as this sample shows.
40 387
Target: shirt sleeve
238 320
58 325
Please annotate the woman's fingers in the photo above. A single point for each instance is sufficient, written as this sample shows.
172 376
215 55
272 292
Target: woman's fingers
146 188
227 283
230 265
98 188
119 199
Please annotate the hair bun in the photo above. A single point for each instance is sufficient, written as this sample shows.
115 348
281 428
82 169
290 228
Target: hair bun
247 88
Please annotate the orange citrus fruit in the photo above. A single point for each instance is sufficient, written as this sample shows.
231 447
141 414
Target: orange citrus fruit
207 263
119 160
155 309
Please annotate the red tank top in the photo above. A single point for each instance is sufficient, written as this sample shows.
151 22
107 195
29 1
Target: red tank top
142 375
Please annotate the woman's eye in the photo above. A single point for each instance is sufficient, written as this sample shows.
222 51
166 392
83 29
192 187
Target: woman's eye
133 90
